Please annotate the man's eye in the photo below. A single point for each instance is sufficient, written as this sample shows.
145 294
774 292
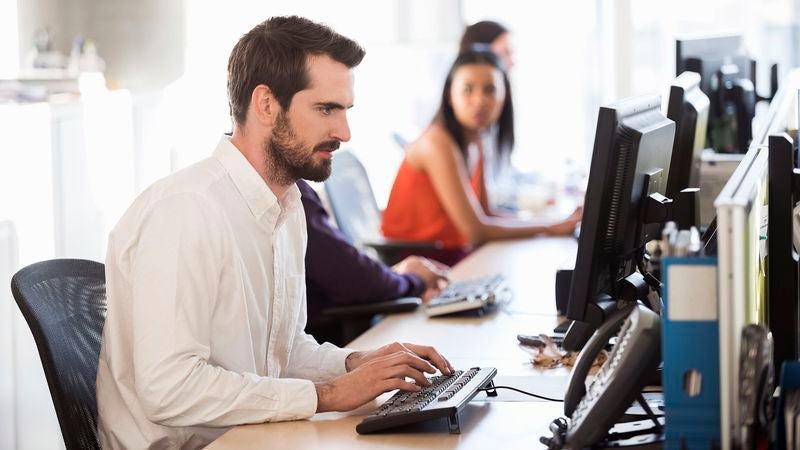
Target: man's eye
325 110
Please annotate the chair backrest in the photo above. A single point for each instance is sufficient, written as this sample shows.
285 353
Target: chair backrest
352 200
64 303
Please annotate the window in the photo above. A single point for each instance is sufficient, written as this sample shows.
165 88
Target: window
769 29
556 78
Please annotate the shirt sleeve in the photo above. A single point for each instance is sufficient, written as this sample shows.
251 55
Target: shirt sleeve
175 279
342 272
310 360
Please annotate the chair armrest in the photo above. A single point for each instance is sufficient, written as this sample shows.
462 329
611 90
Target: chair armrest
396 245
403 304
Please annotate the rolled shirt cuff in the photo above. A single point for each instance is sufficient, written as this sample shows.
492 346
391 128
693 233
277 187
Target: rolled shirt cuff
297 400
333 361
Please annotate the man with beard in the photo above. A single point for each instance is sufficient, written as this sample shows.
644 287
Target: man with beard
205 274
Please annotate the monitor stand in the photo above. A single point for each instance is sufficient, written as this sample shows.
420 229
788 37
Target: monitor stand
630 289
597 312
562 328
572 335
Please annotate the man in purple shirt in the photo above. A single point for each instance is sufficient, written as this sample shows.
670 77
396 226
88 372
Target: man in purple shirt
338 273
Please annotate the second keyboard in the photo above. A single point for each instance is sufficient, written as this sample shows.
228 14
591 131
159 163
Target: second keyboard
476 295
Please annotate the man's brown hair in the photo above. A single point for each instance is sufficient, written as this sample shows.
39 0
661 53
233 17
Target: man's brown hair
274 53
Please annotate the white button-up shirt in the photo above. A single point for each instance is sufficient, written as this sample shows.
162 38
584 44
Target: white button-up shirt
206 310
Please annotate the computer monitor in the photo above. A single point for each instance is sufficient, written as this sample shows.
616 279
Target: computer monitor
783 293
740 276
623 209
728 79
783 276
688 107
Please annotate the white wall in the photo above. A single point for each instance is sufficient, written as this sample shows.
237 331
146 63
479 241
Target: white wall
9 38
8 313
26 199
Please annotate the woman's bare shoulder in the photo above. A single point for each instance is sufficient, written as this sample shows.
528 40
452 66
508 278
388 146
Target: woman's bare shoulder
434 139
437 135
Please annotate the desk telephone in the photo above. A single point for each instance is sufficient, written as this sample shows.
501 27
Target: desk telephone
756 386
616 385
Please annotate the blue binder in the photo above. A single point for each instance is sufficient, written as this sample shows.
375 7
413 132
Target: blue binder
690 347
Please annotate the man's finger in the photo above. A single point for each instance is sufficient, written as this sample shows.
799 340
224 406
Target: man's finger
433 356
405 371
396 383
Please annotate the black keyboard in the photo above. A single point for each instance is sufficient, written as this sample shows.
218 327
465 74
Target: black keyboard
468 295
444 398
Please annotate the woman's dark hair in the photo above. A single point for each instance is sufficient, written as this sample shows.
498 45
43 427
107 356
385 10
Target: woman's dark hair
484 32
274 53
505 134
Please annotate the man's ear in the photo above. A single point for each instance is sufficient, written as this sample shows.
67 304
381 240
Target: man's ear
263 105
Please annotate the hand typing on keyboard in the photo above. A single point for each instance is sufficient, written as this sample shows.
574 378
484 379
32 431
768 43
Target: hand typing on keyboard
442 397
371 373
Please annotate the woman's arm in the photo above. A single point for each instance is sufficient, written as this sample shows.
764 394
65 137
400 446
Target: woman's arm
437 154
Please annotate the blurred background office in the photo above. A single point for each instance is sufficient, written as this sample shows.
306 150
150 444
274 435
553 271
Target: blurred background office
100 98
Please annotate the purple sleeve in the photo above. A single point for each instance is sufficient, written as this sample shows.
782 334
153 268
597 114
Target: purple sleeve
339 273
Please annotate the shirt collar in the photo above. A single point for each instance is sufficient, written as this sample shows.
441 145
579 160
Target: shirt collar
258 196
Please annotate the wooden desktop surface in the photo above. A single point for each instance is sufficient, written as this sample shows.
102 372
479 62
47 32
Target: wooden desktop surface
509 421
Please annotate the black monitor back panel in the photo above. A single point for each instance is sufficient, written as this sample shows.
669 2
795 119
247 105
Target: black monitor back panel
631 158
783 294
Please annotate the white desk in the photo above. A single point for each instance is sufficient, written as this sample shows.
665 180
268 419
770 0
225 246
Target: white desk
529 266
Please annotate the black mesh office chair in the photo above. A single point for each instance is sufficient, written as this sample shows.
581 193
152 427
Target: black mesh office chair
357 215
64 303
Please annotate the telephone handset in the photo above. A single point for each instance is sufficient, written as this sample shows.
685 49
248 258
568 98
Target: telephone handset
576 386
619 381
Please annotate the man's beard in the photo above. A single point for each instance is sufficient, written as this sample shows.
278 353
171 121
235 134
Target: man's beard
288 159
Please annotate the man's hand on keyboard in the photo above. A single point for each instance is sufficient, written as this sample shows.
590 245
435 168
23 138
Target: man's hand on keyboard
424 352
371 373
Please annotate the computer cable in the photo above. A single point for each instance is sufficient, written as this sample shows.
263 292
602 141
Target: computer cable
542 397
651 280
654 300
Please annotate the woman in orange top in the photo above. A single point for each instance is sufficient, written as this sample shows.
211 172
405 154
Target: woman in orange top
439 193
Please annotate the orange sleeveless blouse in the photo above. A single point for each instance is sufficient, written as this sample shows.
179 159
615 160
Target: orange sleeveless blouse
415 213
